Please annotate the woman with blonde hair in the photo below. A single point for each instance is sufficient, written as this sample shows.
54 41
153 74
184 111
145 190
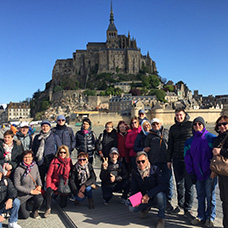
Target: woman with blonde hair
60 166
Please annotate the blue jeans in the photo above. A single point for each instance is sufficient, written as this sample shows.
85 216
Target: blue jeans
168 176
185 188
13 211
88 193
158 201
205 190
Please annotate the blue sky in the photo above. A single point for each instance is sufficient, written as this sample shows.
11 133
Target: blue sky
188 39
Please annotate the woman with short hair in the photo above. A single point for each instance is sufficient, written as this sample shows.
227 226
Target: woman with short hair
222 128
83 180
28 184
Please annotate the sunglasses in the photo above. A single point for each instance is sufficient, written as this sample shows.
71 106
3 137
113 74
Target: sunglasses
134 122
140 161
61 120
154 124
82 159
220 124
195 124
62 152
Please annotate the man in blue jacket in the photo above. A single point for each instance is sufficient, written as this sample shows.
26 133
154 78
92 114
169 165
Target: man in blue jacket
65 133
150 181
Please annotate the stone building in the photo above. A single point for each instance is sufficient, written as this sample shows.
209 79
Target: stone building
17 112
118 54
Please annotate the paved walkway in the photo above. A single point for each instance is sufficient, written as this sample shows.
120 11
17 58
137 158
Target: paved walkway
117 215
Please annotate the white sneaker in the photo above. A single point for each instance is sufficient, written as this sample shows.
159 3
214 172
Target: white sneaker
13 225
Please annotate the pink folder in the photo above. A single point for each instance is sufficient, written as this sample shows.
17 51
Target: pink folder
136 199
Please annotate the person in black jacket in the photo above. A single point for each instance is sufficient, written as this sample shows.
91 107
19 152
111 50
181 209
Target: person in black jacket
65 133
150 181
114 177
221 148
86 139
10 153
8 201
83 180
45 146
107 140
157 141
178 134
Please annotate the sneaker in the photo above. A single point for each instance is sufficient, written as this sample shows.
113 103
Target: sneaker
47 213
35 214
143 214
209 223
176 210
13 225
105 203
123 201
169 207
161 223
188 215
76 202
197 222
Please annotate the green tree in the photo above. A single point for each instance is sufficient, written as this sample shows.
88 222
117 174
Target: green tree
89 92
154 81
159 93
169 87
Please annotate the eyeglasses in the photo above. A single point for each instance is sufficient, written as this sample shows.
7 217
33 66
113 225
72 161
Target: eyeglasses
154 124
199 124
62 152
61 120
141 161
220 124
141 114
82 159
135 122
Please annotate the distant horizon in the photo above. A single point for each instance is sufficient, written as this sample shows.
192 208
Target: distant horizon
186 39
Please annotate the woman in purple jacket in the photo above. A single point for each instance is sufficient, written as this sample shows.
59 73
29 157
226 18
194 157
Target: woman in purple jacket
198 153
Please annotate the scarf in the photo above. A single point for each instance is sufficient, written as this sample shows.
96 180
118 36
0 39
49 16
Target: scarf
40 151
61 127
83 172
7 151
28 168
85 132
62 170
144 173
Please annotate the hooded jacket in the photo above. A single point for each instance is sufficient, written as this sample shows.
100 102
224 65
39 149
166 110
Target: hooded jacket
178 134
198 153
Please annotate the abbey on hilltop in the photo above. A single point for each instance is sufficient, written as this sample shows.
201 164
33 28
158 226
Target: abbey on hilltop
118 54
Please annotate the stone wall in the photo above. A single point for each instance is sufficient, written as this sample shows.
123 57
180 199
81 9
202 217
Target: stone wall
102 118
96 101
167 116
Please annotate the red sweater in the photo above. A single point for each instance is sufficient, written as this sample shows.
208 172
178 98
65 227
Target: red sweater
130 140
123 151
52 180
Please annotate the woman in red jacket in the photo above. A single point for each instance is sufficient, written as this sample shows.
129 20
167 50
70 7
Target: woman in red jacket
130 140
122 129
60 166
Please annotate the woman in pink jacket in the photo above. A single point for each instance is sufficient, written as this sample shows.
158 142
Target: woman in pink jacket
130 140
60 166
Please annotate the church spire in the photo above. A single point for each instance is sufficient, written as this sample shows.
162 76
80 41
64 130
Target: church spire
111 15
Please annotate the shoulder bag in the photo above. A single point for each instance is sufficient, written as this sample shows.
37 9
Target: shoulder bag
63 188
219 164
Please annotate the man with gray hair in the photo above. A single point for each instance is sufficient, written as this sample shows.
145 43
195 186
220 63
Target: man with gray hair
150 181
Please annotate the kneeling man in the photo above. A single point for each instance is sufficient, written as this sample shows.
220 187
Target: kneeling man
114 177
149 180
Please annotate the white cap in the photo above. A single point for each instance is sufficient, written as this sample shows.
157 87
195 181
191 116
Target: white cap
24 124
155 120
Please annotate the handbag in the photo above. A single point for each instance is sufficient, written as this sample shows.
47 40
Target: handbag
219 164
63 187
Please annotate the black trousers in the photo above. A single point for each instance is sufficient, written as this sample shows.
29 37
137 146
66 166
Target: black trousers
62 199
223 187
36 202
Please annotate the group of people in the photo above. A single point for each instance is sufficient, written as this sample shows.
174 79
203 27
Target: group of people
138 157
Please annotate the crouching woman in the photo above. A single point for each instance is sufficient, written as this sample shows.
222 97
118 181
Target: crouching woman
59 168
83 179
28 184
